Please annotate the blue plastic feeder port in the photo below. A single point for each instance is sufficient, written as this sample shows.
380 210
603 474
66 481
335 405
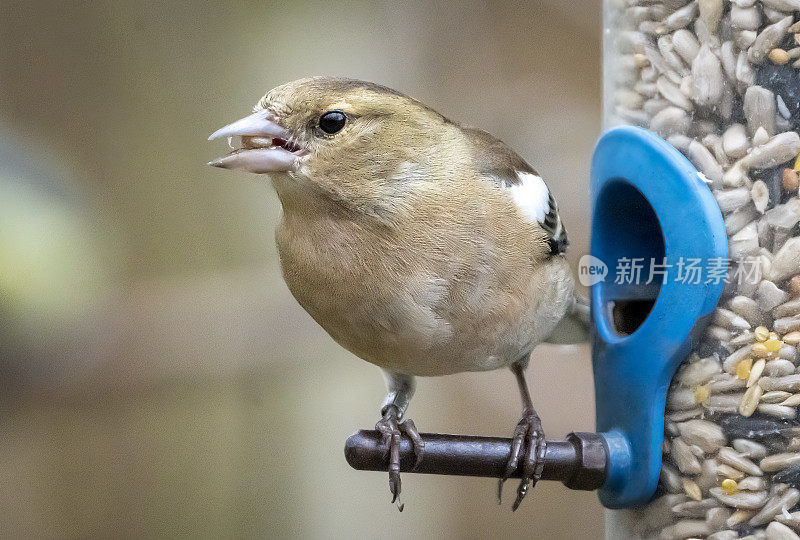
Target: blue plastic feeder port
650 206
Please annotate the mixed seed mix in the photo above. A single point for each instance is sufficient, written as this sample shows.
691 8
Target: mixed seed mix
720 81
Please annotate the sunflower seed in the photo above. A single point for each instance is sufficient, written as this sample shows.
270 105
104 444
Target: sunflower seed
708 474
692 490
728 319
707 435
784 216
745 75
710 12
772 15
670 479
759 109
737 221
705 162
727 471
782 108
670 121
779 531
788 352
672 93
792 307
745 38
743 244
747 500
745 18
776 396
681 399
659 513
686 528
686 45
725 403
778 411
699 372
767 39
777 462
735 141
750 449
707 78
789 383
779 368
775 505
747 308
752 483
728 57
683 457
779 149
683 16
762 429
742 339
724 535
769 296
694 508
739 516
787 324
792 401
716 517
760 136
787 261
790 519
783 5
733 458
729 364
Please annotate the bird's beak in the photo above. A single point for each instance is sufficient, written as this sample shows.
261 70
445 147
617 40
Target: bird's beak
266 146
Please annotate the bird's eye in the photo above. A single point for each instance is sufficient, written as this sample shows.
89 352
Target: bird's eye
332 121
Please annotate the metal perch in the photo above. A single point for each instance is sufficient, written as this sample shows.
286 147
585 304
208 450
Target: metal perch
579 461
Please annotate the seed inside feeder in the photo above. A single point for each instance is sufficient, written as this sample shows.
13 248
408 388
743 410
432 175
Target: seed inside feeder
720 81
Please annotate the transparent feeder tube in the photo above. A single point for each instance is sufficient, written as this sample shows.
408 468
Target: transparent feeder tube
720 81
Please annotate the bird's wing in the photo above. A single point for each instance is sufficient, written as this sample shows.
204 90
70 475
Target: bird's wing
495 160
574 327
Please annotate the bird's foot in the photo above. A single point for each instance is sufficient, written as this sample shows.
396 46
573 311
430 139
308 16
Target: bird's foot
527 444
392 429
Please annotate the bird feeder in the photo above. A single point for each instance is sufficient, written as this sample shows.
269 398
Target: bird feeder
702 99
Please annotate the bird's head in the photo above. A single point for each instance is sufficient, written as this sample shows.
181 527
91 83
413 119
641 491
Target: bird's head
353 141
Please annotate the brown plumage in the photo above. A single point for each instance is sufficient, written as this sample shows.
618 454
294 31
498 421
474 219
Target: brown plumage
423 247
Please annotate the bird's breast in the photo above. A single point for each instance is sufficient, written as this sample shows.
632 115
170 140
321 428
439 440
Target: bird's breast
422 300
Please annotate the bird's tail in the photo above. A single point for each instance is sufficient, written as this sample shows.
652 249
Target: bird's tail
574 327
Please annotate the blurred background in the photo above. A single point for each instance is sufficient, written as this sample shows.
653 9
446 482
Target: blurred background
157 379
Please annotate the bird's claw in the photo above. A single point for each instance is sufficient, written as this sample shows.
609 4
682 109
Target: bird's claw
408 427
528 444
391 430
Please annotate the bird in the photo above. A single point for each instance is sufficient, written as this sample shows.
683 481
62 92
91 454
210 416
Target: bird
422 246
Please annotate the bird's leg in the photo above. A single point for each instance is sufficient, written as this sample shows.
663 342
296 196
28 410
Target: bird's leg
400 389
527 444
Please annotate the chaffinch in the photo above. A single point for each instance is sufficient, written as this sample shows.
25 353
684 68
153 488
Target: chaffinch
420 245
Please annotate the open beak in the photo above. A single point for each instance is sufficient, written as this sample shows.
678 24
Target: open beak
265 145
